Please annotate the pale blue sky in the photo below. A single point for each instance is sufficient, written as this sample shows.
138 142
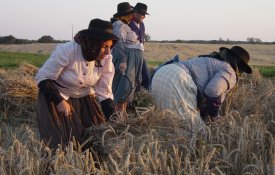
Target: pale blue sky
168 19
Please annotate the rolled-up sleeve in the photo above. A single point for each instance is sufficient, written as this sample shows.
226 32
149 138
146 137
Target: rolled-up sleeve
220 83
216 86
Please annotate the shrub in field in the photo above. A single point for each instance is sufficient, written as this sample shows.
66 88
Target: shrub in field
12 40
45 39
7 40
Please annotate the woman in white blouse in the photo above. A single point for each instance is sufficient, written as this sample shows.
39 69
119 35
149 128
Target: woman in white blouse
77 75
127 57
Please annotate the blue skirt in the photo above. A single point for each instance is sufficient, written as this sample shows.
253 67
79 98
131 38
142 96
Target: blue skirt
124 86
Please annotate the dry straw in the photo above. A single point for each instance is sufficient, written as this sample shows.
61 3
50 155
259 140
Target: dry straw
18 93
149 141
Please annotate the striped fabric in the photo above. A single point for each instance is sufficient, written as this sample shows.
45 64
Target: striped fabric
212 76
79 77
55 128
127 36
174 89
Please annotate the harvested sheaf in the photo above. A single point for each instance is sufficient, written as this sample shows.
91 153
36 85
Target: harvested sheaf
18 93
148 141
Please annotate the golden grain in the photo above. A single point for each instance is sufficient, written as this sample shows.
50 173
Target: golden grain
150 142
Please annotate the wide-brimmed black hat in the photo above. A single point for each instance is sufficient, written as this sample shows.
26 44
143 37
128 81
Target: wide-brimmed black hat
124 9
141 8
242 55
99 29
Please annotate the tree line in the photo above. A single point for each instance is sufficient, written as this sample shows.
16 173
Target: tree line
48 39
12 40
249 40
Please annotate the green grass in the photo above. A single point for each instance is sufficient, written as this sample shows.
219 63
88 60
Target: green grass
10 60
266 71
154 63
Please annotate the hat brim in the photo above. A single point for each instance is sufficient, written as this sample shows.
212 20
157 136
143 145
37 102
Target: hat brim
246 67
124 14
144 13
99 34
141 12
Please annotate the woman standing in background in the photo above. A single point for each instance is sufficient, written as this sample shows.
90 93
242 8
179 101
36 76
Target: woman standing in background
127 57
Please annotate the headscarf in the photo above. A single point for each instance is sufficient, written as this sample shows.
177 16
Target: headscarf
90 47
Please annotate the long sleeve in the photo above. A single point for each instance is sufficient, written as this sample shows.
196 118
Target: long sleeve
75 77
49 72
215 92
216 86
53 66
126 36
125 33
103 87
48 88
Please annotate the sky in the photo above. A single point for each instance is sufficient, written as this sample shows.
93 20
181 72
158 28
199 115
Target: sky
168 19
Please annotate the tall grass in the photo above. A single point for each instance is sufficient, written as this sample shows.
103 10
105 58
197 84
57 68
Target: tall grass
149 141
13 60
266 71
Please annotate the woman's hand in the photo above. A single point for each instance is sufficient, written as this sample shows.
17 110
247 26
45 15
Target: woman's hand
217 120
65 108
122 67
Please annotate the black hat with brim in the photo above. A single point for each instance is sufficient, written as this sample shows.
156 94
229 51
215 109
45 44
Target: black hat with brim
141 8
104 35
242 55
99 29
124 9
142 12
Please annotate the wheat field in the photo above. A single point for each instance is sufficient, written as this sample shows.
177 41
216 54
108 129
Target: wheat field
150 141
260 54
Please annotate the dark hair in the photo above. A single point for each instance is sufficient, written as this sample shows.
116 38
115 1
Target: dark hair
90 46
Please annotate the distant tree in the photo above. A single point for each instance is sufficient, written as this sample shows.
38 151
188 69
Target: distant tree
147 37
257 40
22 41
253 40
227 41
8 39
179 41
46 39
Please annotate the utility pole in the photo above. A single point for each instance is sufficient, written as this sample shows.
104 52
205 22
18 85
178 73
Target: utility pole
72 32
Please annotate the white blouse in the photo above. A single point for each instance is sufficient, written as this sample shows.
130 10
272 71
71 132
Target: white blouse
76 76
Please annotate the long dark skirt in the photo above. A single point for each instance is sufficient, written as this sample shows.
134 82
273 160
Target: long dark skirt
56 129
